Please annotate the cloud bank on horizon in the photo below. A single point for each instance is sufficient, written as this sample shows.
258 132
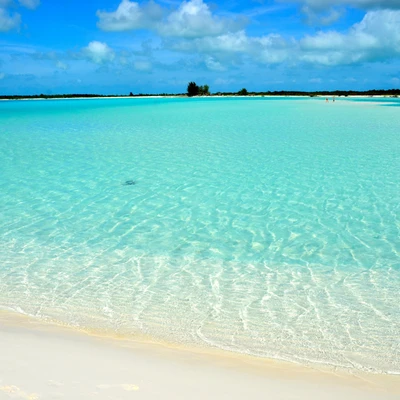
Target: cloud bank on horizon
158 46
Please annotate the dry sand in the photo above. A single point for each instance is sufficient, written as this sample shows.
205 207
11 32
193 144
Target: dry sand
43 361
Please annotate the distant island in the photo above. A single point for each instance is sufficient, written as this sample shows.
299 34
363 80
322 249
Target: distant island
204 91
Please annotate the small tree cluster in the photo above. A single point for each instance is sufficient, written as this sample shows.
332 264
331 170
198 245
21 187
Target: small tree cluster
194 90
204 90
243 92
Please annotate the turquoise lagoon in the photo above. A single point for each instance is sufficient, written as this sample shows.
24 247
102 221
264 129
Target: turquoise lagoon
262 226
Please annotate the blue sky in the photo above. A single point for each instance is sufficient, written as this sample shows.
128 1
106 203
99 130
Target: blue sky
118 46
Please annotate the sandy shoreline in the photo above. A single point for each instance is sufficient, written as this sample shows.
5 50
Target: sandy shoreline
44 361
319 96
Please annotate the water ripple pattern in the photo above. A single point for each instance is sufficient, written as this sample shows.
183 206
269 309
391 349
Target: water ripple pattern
259 226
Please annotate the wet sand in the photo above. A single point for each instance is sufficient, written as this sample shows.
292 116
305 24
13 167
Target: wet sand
45 361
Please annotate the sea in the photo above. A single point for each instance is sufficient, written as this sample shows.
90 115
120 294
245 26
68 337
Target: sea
262 226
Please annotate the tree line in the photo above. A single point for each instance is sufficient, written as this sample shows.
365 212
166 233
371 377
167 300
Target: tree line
194 90
205 90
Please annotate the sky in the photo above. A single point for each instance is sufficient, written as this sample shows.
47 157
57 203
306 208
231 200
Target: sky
158 46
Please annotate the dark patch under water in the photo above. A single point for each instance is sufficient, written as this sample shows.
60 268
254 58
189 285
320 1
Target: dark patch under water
127 183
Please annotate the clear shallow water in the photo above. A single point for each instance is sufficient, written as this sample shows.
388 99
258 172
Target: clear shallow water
262 226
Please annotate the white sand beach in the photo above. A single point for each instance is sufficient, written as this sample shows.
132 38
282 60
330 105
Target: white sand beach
44 361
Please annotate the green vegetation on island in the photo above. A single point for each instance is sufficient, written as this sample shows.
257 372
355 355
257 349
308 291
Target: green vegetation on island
194 90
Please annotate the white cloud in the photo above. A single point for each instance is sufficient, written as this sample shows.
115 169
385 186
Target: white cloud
130 15
98 52
229 42
32 4
376 37
213 65
194 19
9 21
269 49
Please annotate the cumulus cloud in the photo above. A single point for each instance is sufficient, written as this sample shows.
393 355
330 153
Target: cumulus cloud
32 4
194 19
9 21
376 37
237 42
191 19
130 15
98 52
268 49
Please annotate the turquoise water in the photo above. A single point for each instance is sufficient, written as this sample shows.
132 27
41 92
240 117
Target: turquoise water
262 226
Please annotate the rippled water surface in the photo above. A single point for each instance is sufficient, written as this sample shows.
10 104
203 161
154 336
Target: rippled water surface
262 226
